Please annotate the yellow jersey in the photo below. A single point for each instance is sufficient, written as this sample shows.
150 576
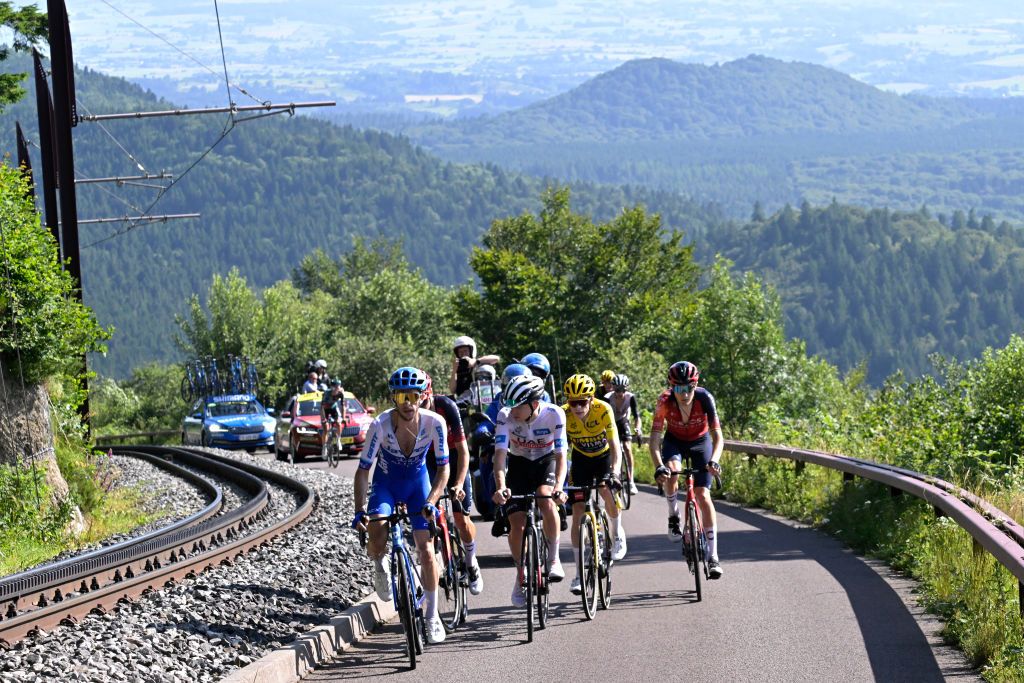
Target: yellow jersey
590 437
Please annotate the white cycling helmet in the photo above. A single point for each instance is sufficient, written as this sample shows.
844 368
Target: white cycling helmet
320 364
522 389
465 341
485 373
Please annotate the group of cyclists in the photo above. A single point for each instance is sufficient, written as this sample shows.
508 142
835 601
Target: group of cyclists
421 454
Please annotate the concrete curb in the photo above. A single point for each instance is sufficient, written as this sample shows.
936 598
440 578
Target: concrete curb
313 648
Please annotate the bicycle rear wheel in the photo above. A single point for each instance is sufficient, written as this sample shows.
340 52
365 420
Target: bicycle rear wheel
449 596
186 390
406 606
627 480
528 558
692 534
604 565
587 565
542 579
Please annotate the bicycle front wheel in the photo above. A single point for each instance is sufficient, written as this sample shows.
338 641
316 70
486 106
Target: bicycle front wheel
604 566
528 558
406 606
449 591
586 565
692 535
186 390
542 579
627 481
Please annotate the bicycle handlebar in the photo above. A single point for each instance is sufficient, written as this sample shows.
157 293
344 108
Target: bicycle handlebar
687 471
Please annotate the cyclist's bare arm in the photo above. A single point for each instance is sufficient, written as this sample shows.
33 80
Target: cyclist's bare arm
498 463
361 484
655 447
717 443
489 359
462 464
437 486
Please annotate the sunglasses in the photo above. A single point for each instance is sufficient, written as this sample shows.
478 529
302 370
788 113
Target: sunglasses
620 390
579 403
400 397
684 388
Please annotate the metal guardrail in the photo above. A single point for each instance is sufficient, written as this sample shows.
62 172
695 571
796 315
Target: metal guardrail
110 439
990 527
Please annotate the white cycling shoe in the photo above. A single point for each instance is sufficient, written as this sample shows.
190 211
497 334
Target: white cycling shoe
476 579
518 594
382 581
435 631
556 573
574 586
619 547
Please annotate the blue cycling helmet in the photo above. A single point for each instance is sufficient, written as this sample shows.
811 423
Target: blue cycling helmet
513 370
538 363
408 379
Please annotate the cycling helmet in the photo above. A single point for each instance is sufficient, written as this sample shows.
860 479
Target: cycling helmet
320 364
408 379
522 389
464 341
683 372
335 382
538 363
620 382
607 376
579 386
513 370
485 373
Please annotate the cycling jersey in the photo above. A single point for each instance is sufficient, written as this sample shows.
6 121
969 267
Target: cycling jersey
590 436
703 416
329 402
450 412
544 434
382 445
624 408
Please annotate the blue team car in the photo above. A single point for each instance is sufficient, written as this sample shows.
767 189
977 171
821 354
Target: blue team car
230 421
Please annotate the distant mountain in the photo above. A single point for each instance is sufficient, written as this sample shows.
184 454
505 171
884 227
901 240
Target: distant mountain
269 193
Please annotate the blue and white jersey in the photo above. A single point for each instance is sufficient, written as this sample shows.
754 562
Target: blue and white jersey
532 440
382 444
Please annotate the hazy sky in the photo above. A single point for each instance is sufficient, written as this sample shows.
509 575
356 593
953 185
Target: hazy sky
903 44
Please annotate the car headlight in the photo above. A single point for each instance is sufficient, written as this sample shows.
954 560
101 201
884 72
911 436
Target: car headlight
305 430
269 425
215 427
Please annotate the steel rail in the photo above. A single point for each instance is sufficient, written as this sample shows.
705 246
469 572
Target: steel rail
212 541
990 527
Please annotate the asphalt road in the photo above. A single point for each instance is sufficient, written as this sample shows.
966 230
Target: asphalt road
793 605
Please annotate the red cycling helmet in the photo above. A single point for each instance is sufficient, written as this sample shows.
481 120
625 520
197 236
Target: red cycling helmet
683 372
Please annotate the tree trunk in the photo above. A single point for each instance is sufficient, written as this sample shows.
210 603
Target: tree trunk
26 436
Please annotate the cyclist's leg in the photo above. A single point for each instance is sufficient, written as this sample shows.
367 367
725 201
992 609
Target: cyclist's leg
380 506
700 456
672 457
517 479
462 510
544 482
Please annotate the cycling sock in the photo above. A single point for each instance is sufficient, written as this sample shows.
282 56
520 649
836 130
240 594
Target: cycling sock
430 604
553 546
576 556
616 526
471 552
673 505
712 537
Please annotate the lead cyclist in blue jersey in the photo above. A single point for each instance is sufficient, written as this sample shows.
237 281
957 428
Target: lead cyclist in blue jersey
399 440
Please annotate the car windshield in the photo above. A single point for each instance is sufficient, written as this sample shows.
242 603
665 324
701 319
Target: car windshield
224 408
354 406
308 408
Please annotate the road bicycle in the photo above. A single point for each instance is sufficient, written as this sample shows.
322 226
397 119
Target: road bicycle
453 575
251 376
533 556
331 451
406 592
695 543
235 383
214 384
594 562
189 388
627 480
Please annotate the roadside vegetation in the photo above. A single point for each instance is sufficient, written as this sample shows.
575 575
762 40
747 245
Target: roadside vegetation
624 294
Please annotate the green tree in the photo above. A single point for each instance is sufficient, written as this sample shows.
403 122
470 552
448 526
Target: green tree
29 27
564 285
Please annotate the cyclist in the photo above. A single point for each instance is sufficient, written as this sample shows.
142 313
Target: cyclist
531 435
463 364
594 446
689 415
332 407
398 439
606 382
627 419
459 481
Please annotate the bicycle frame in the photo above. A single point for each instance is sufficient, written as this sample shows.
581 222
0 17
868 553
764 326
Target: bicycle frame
696 557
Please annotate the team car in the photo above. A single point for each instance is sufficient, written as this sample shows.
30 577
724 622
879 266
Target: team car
298 427
229 421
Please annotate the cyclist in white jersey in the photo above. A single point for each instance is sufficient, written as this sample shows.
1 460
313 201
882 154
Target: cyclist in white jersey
627 420
531 434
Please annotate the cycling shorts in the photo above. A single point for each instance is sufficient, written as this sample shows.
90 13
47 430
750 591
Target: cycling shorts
464 506
526 476
625 429
696 453
386 492
585 470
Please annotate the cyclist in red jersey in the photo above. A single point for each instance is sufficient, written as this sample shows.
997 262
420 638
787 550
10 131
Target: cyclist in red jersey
688 414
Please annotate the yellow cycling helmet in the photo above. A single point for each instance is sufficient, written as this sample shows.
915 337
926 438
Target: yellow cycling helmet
579 386
607 376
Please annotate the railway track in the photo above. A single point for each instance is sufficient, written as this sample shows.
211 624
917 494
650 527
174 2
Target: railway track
66 591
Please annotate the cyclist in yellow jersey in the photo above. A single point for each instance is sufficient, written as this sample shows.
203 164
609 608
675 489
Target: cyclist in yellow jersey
595 453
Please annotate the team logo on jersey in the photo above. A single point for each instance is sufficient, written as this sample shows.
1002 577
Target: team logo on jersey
542 432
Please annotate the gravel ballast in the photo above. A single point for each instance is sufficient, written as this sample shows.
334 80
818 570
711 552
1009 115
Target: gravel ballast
202 629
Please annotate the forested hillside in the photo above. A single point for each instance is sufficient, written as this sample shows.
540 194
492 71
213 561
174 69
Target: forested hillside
271 192
757 129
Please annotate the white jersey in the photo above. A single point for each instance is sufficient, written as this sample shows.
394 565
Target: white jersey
381 441
532 440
